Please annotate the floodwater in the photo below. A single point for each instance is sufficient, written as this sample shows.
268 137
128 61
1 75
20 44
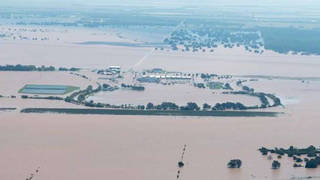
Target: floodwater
136 147
66 52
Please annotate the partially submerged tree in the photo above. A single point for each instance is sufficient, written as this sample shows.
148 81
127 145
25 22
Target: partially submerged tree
313 163
180 164
235 163
276 165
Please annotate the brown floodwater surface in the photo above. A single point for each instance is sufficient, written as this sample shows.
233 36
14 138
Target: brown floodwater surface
82 147
138 147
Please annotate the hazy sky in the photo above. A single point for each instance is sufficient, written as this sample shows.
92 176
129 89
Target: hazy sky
159 2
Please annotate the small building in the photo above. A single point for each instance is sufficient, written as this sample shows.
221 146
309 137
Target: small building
116 69
110 71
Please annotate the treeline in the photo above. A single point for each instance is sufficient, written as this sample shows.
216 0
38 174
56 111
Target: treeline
229 106
20 67
80 98
133 87
37 97
263 97
107 87
69 69
150 113
191 106
80 75
194 38
82 95
279 39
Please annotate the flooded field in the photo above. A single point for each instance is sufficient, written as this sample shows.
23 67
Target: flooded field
66 52
149 147
180 94
14 81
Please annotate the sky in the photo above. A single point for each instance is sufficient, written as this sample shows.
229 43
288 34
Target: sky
156 2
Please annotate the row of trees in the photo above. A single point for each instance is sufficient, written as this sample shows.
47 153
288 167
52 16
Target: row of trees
37 97
20 67
79 97
191 106
167 106
133 87
107 87
262 96
82 95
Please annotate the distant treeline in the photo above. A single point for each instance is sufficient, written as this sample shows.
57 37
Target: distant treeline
279 39
196 32
7 109
20 67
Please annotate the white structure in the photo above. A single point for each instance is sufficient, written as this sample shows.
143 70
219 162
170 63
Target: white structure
116 69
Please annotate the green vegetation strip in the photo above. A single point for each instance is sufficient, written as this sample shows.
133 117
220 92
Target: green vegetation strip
7 109
280 77
47 89
152 112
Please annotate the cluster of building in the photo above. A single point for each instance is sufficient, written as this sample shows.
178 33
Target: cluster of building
157 75
168 76
111 71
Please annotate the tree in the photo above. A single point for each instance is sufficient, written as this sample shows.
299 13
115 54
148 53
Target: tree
264 151
227 86
150 106
206 106
180 164
297 165
89 88
24 97
68 99
234 163
105 86
313 163
141 107
168 106
276 164
191 106
81 98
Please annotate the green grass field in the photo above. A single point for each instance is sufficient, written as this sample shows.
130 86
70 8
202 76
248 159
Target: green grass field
47 89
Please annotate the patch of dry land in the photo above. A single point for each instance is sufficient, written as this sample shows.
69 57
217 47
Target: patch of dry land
149 147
